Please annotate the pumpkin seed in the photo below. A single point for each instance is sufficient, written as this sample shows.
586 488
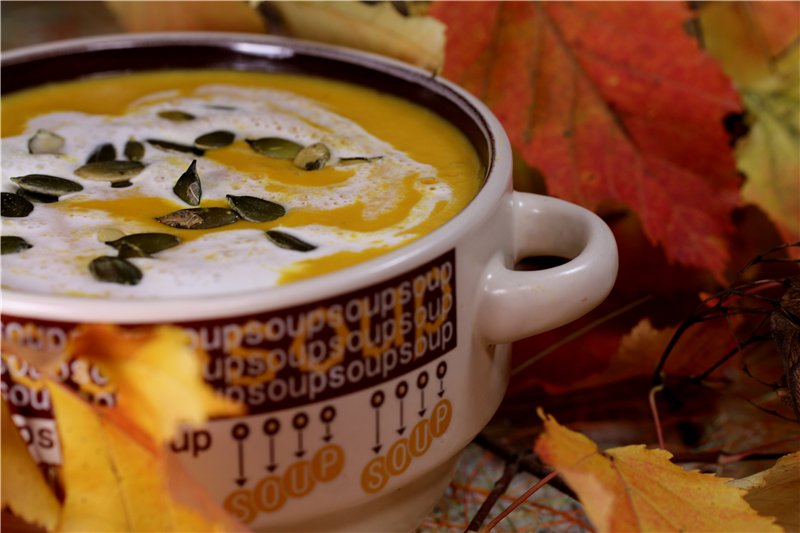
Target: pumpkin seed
13 205
113 171
188 187
148 243
175 147
115 270
255 209
176 115
275 147
109 233
104 152
312 157
199 218
354 160
45 184
134 150
214 139
45 142
121 184
289 242
11 244
37 198
127 250
221 107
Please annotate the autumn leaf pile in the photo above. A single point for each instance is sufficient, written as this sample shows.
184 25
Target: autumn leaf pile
680 126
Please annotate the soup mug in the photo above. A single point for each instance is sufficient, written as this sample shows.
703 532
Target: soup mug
379 374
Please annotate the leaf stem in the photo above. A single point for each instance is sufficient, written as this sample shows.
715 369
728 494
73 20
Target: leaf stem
654 409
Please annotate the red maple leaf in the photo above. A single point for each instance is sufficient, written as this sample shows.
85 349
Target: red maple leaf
612 102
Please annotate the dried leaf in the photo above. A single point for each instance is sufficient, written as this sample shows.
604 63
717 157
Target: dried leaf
756 44
115 479
36 503
635 489
158 376
377 28
776 492
594 97
143 16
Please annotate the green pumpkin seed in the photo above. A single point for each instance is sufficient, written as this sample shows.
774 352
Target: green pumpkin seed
45 184
115 270
175 147
255 209
37 198
148 243
312 157
121 184
176 115
289 242
134 150
13 205
214 139
275 147
127 250
188 187
45 142
104 152
356 160
11 244
199 218
112 171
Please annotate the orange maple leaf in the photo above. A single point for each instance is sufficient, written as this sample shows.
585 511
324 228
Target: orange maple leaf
612 102
635 489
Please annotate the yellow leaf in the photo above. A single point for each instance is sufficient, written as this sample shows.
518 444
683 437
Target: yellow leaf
158 376
24 489
377 28
635 489
114 479
776 492
756 43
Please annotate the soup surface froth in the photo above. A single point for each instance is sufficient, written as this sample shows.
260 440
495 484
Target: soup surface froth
375 172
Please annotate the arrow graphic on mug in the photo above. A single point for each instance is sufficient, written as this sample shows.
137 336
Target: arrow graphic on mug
240 432
378 445
402 427
272 464
328 435
300 451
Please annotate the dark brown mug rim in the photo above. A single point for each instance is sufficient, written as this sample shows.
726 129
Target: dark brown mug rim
117 54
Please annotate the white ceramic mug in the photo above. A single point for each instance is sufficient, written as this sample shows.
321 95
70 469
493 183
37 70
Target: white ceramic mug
377 375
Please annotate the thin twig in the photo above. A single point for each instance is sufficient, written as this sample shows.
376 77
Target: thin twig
578 333
519 501
527 463
500 487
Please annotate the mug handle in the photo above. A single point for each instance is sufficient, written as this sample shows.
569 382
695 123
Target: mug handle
514 304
